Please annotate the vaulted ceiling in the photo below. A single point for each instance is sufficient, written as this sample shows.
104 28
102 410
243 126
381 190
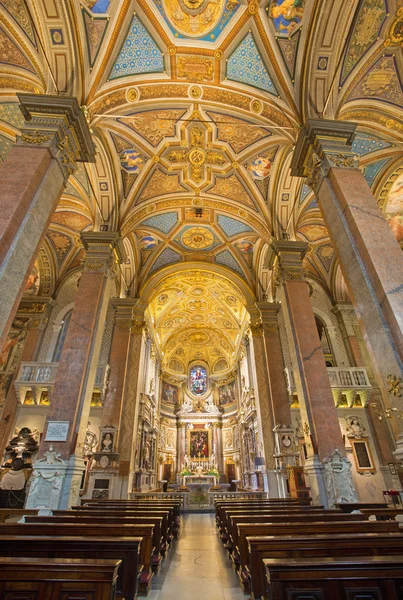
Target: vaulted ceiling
195 106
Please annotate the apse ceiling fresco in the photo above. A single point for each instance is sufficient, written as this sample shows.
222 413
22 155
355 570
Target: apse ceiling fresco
195 106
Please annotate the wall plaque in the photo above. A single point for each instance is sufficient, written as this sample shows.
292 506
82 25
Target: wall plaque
57 431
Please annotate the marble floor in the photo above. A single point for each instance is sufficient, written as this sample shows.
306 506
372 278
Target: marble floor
197 566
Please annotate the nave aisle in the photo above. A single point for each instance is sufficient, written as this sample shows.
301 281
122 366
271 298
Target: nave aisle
197 568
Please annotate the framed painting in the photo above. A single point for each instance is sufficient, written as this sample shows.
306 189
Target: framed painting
199 443
362 456
227 393
169 393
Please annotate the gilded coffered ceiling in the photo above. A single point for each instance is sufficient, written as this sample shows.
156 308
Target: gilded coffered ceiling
195 106
198 315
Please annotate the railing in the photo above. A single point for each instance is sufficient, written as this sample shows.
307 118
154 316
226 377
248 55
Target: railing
188 503
34 372
38 377
346 377
346 382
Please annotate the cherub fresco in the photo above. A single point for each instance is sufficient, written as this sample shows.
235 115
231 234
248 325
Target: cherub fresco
286 15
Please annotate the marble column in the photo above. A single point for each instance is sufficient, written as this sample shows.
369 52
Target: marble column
370 257
118 357
180 445
323 439
131 400
262 394
217 436
279 399
57 472
54 137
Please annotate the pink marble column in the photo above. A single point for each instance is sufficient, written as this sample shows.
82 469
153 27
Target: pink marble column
319 416
54 137
71 397
263 407
131 401
280 404
369 255
118 358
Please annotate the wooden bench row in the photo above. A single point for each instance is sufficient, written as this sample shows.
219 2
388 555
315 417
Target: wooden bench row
138 535
253 535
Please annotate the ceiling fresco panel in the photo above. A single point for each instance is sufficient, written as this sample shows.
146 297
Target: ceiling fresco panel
139 53
246 65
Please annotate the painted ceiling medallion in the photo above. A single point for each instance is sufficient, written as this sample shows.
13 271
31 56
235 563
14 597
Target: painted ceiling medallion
197 237
194 17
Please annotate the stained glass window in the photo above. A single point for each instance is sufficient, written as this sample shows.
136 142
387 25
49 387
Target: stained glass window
198 381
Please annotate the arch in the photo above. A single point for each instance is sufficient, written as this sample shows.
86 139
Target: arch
147 290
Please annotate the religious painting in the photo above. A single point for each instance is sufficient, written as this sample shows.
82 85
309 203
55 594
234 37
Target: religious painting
199 444
32 285
260 167
362 456
286 15
227 393
198 381
245 246
98 6
195 18
131 161
147 242
169 393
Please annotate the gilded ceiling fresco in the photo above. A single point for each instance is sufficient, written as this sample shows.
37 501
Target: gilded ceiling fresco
195 107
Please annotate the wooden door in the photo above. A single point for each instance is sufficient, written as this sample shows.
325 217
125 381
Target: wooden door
167 471
230 472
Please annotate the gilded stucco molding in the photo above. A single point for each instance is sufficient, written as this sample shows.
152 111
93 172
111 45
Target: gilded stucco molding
112 45
9 26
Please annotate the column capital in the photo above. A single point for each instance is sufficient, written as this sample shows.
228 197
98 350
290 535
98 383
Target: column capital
102 248
269 311
123 312
322 145
285 259
138 323
58 123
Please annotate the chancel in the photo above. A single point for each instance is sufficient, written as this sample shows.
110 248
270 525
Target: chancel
201 299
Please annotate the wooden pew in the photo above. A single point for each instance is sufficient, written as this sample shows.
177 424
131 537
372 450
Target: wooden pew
363 578
131 504
94 530
57 579
383 514
221 507
125 549
324 517
132 511
350 506
110 520
15 513
227 513
245 530
253 580
166 532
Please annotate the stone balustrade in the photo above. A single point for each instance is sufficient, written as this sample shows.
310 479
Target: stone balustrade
347 383
38 379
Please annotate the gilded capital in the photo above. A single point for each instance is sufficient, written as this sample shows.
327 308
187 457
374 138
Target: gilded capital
322 145
59 124
103 251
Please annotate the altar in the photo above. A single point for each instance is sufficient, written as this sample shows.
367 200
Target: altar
205 480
